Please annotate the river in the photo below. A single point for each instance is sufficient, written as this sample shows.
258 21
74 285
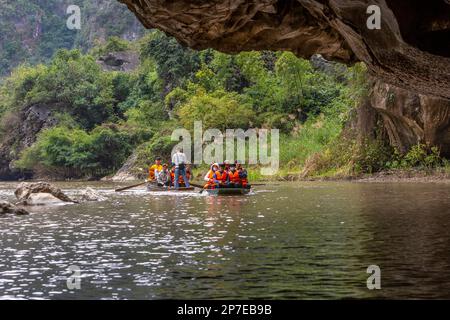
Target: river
312 240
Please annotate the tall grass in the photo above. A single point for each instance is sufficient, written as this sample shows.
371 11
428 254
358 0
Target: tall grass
312 138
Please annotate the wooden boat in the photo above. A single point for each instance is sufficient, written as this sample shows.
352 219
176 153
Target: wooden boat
227 191
154 188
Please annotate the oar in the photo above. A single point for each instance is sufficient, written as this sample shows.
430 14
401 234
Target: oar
196 185
130 187
264 184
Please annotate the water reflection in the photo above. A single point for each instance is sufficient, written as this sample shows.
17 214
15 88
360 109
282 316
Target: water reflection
311 240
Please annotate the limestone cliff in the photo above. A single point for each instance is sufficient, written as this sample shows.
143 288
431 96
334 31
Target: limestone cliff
21 133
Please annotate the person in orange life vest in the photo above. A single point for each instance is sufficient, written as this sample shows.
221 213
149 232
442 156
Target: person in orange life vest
227 165
235 179
242 175
221 178
210 177
211 171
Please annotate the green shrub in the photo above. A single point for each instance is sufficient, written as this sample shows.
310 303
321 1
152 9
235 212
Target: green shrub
421 156
105 147
113 44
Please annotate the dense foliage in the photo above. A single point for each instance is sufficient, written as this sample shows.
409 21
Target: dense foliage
102 117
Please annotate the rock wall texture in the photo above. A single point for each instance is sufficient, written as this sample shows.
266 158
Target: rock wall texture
410 118
22 131
411 50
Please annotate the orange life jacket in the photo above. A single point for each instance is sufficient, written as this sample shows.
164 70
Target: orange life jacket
234 176
210 184
221 177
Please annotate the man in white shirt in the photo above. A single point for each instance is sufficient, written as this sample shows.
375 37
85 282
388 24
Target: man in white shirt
179 161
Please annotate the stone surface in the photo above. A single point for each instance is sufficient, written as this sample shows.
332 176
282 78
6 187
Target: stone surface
125 172
411 50
119 61
6 207
25 193
90 194
22 130
42 199
410 118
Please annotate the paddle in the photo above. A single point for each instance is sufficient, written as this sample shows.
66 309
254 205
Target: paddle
196 185
130 187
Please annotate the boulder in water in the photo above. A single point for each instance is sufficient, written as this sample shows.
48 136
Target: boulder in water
91 195
6 207
40 193
41 199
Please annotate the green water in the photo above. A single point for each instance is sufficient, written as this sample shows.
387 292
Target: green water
291 241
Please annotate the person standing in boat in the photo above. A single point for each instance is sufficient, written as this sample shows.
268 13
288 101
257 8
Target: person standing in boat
188 175
179 161
163 177
154 169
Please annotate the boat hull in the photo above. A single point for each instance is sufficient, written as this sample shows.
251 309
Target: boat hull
227 191
155 188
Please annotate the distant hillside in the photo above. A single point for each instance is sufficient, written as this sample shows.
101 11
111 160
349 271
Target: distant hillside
32 30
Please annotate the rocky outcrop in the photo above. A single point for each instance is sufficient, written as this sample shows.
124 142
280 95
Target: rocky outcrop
42 199
22 130
90 194
125 61
410 118
125 172
6 207
403 117
336 70
410 51
39 193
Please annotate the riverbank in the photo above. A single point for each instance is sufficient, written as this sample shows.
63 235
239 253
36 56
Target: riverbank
441 174
284 175
405 175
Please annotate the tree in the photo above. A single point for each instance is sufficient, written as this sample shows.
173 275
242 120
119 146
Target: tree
219 109
175 63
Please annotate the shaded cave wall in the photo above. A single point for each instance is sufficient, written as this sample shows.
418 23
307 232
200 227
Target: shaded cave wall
405 118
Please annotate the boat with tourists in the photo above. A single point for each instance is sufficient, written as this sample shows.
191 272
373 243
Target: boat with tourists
225 179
